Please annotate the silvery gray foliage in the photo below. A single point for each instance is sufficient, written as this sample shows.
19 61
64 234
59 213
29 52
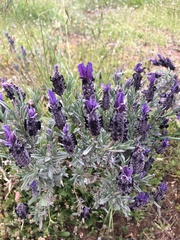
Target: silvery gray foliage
97 163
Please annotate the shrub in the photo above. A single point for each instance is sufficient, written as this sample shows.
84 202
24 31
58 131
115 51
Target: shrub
95 148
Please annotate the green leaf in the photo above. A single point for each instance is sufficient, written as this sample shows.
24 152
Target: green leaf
87 150
64 234
43 202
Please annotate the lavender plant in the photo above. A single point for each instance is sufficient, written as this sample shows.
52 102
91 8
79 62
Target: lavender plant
102 144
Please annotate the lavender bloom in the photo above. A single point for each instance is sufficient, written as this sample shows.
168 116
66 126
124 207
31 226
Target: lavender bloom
118 122
106 96
55 109
22 210
34 189
164 144
175 88
85 72
140 200
68 140
165 62
138 158
164 123
167 100
149 93
31 124
143 126
86 212
16 149
161 191
124 180
2 108
11 42
148 164
58 82
16 67
93 120
178 115
128 83
23 51
137 77
117 75
87 80
12 91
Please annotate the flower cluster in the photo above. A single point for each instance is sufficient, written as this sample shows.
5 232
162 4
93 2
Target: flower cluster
124 180
16 148
31 124
118 122
12 90
22 210
58 82
160 193
165 62
112 155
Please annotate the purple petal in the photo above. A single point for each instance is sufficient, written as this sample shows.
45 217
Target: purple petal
31 112
165 142
143 197
127 171
89 70
52 97
163 186
105 87
145 109
138 68
119 100
152 78
85 72
91 104
10 137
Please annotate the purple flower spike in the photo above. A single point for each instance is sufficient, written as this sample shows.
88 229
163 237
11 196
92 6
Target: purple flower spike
127 171
140 200
105 87
22 210
58 82
85 71
160 192
16 149
31 124
11 89
165 62
117 75
124 180
86 212
34 189
52 98
105 103
68 140
143 197
138 159
164 144
91 104
163 186
118 122
138 68
145 109
23 51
